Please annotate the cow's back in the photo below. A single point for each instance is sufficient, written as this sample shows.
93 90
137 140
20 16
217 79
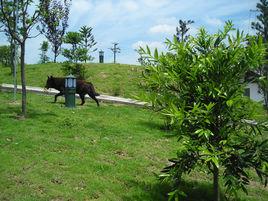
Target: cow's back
59 83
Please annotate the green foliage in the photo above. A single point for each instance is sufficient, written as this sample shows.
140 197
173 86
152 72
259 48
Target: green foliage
73 38
199 85
76 69
87 41
77 52
5 55
43 56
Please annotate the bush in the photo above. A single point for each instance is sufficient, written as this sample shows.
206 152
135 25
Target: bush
199 85
76 69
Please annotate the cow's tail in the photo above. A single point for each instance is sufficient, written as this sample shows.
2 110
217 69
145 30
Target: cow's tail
93 89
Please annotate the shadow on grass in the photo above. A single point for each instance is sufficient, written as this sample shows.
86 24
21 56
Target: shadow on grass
195 191
150 124
158 126
149 192
12 112
40 114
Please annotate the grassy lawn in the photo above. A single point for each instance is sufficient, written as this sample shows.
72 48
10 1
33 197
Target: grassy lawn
113 79
108 153
87 153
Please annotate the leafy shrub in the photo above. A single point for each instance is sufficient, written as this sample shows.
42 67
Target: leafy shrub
199 85
76 69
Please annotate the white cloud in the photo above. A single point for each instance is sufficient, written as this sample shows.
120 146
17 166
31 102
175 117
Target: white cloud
150 44
168 20
130 6
214 21
193 30
163 28
156 4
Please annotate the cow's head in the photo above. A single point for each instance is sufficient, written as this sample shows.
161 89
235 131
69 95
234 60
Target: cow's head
50 82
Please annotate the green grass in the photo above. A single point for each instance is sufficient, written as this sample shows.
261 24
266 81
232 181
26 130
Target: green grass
113 79
105 153
88 153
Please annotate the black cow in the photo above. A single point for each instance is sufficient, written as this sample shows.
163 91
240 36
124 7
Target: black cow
82 88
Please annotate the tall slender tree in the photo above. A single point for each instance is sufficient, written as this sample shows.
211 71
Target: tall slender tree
261 26
87 40
54 20
27 19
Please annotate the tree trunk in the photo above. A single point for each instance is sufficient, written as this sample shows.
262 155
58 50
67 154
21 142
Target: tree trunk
216 189
55 51
23 81
12 50
55 58
265 97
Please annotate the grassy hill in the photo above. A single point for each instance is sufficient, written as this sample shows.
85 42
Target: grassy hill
113 79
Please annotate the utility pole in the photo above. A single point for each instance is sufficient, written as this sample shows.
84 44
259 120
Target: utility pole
15 61
115 50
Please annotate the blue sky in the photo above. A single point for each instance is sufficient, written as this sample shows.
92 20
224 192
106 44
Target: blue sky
134 23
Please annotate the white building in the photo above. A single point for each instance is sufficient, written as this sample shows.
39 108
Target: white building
252 91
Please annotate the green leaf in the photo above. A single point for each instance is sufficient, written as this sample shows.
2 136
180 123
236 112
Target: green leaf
156 54
215 161
230 103
148 50
201 132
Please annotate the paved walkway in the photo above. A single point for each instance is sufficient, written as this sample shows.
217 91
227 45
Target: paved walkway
103 98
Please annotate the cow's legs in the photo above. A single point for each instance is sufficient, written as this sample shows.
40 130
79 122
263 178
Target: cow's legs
94 98
82 96
56 96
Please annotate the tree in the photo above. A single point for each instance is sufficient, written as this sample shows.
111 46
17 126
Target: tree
261 26
54 20
26 21
13 46
87 40
43 56
201 82
182 30
75 54
115 49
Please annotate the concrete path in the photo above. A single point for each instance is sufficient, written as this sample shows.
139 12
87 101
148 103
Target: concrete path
103 98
